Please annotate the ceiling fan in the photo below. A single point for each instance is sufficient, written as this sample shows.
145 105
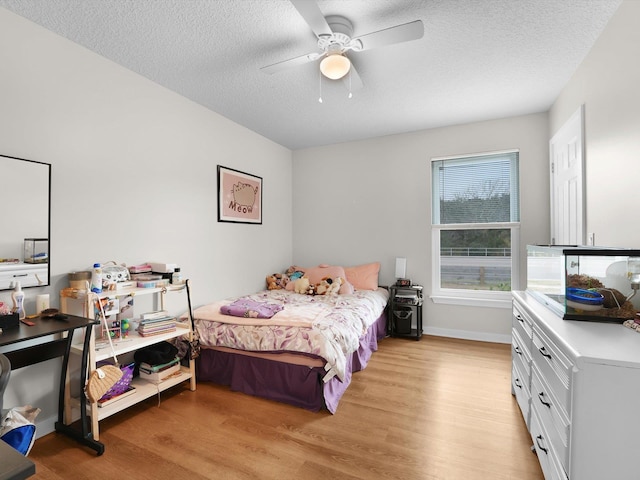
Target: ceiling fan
335 39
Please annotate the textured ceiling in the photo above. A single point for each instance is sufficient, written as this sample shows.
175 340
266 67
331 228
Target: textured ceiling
478 59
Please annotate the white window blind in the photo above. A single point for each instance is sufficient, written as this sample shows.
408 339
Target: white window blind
477 189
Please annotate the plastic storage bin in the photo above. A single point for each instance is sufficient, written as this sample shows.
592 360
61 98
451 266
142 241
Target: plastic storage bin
402 317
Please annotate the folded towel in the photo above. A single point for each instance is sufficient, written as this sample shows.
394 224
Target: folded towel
245 307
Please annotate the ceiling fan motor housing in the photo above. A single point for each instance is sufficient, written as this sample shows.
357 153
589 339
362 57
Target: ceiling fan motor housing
340 40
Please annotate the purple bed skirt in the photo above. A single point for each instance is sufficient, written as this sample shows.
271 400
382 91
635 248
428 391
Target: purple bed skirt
296 385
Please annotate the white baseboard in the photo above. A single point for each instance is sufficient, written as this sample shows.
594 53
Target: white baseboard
467 335
45 426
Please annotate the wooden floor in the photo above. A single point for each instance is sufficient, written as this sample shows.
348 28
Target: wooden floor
434 409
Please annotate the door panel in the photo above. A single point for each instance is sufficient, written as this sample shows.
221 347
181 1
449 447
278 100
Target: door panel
567 183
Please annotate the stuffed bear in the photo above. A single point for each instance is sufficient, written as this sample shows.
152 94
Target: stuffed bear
277 281
271 282
301 285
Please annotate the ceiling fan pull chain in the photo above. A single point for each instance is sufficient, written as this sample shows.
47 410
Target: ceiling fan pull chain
320 82
350 94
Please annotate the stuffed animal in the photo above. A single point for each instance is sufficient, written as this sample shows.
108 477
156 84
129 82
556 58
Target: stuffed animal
329 286
301 285
277 281
334 287
293 273
323 286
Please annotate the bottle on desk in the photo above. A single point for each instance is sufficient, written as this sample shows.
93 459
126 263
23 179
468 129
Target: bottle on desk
18 301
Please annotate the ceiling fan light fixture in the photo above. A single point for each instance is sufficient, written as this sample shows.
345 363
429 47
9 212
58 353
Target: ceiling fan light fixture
335 66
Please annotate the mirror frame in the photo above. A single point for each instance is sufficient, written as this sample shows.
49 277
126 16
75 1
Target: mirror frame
48 165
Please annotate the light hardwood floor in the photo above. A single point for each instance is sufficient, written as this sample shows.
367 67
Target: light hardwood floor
434 409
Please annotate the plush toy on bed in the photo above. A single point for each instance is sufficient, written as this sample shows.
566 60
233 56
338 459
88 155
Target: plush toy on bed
334 289
301 285
293 273
329 286
277 281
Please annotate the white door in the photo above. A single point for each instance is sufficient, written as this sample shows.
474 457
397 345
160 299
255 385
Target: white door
566 153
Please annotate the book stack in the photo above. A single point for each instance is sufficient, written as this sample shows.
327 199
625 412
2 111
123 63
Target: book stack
158 373
155 323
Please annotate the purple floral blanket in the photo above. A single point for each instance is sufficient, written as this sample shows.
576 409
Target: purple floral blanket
248 308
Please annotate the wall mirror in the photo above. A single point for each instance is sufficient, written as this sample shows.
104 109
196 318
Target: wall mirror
25 196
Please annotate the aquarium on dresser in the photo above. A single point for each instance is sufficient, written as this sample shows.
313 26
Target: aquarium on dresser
585 283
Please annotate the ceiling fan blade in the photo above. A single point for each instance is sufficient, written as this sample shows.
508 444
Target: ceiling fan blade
400 33
312 14
352 80
292 62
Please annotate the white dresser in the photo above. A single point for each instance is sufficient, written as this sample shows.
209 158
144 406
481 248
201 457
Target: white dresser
28 274
578 386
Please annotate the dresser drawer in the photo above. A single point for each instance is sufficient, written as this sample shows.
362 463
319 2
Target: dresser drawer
549 462
520 355
522 324
553 419
520 387
554 367
29 275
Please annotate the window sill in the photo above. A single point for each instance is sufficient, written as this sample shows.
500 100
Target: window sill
472 301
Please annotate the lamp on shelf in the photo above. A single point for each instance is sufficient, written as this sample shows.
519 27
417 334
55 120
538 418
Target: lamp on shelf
401 272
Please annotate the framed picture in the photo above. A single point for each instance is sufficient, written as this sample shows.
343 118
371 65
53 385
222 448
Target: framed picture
239 196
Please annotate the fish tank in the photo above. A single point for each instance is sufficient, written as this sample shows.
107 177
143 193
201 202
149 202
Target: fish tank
36 250
585 283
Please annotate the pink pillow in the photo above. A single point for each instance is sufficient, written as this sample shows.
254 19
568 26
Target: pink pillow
363 277
316 274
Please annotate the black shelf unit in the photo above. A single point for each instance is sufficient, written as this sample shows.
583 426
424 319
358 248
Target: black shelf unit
405 311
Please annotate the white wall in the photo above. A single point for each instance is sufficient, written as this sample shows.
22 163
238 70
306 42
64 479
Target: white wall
133 178
370 201
608 84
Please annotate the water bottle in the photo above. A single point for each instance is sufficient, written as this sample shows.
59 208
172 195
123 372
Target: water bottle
96 278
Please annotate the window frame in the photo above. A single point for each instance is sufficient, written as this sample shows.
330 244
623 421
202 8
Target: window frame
458 296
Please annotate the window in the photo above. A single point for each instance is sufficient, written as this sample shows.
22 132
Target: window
475 226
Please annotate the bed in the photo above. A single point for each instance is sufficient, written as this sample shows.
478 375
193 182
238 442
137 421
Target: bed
303 355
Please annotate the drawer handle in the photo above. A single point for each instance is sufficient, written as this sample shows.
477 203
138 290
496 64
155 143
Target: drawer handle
543 352
542 400
16 275
517 383
517 350
538 438
519 318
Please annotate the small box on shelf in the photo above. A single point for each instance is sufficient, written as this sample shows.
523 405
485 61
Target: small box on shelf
9 321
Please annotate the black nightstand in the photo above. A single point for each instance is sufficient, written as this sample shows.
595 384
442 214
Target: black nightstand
405 311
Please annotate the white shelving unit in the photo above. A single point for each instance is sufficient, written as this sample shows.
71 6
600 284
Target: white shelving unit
81 305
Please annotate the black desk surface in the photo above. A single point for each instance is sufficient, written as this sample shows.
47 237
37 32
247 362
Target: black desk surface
42 328
14 466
